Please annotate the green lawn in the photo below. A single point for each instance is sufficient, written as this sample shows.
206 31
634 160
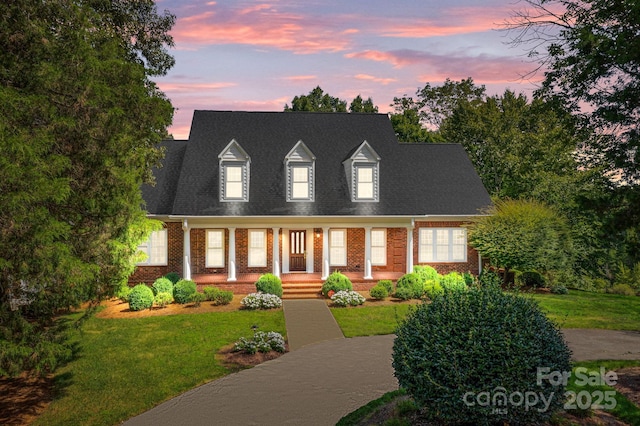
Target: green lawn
580 309
577 309
127 366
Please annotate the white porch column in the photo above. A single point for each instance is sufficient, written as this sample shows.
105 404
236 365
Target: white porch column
186 241
367 253
276 251
325 253
409 249
232 255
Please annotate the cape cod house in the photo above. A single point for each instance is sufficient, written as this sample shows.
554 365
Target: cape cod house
300 195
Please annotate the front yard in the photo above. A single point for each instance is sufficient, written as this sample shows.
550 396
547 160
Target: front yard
124 366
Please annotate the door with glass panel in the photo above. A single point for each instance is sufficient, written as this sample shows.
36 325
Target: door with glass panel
297 251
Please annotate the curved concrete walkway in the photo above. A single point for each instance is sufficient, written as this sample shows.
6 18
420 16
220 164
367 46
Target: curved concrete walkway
319 383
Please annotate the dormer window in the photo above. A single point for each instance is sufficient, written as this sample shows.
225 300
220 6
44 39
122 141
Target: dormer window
362 170
234 173
300 170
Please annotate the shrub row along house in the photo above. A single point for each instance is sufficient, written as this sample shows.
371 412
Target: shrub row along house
301 195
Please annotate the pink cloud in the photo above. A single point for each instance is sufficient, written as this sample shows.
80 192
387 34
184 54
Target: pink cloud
453 21
296 78
261 25
383 81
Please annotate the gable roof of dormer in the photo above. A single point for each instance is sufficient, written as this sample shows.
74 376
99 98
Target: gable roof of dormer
300 153
234 152
364 153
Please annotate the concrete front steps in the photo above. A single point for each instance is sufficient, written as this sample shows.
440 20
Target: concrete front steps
302 290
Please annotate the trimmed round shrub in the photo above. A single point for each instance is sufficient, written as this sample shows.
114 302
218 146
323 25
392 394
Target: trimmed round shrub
413 282
378 292
388 284
426 272
472 357
345 298
183 291
162 299
269 283
218 296
140 297
162 285
622 289
261 301
336 282
197 298
559 289
403 293
174 277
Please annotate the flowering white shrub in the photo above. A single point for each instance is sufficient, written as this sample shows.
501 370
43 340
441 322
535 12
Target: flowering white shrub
261 301
347 298
261 342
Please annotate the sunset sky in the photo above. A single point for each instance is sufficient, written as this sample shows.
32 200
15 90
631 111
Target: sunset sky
256 56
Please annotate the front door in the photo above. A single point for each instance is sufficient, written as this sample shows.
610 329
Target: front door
297 251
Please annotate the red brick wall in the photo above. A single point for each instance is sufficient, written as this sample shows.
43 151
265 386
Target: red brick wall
149 274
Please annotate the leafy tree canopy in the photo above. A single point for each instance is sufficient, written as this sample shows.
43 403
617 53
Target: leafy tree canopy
318 101
590 51
80 121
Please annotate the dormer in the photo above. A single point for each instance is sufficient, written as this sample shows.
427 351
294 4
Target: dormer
363 170
300 173
234 173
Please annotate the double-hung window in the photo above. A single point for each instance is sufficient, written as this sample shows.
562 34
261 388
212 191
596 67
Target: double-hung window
442 245
215 248
338 247
155 249
378 247
257 248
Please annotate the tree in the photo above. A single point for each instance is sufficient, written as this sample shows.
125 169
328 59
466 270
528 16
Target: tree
80 121
523 234
420 120
316 101
359 105
590 51
514 144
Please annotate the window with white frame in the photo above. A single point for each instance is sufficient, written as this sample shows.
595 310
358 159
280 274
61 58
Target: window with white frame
442 245
257 248
378 246
300 182
234 173
155 248
364 183
215 248
338 247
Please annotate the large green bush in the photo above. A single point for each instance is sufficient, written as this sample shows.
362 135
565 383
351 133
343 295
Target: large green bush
378 292
336 282
174 277
453 281
140 297
426 272
162 285
464 346
411 283
183 291
269 283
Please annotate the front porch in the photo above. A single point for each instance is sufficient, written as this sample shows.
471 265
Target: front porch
294 285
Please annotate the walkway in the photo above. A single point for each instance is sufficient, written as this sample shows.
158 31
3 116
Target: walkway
325 376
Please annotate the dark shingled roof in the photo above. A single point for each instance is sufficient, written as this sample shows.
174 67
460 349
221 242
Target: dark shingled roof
415 179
